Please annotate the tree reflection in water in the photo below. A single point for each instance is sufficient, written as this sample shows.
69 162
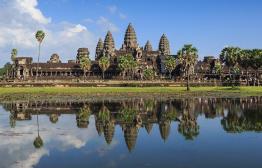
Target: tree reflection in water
237 115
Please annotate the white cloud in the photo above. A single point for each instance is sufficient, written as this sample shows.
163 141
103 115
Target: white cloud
20 19
106 25
30 7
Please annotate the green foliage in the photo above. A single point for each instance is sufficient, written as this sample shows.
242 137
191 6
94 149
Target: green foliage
38 142
256 58
40 35
104 64
170 63
7 67
85 63
13 54
187 56
231 56
127 63
149 74
218 67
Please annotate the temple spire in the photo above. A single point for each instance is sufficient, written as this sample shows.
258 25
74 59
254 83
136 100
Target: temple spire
99 49
148 46
164 48
130 40
109 45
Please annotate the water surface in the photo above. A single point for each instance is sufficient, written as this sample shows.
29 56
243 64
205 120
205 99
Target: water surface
184 133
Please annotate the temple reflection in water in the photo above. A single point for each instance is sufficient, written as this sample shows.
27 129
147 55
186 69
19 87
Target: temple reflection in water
236 115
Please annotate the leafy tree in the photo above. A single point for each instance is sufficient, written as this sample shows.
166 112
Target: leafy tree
218 68
13 54
256 60
82 117
104 64
231 56
149 74
85 64
7 67
188 58
38 142
245 61
170 64
127 63
40 35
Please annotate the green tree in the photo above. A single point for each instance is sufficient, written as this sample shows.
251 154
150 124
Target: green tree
218 68
170 64
256 61
245 61
85 64
231 56
149 74
7 67
82 117
40 35
104 64
13 54
188 58
127 63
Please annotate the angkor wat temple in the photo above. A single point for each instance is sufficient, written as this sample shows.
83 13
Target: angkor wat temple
146 57
25 69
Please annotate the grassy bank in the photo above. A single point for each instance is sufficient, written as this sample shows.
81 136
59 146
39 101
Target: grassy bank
105 90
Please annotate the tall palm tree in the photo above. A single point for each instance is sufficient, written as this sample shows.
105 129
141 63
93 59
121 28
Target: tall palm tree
245 61
188 58
104 64
230 56
13 54
170 65
85 65
40 35
256 61
124 63
38 142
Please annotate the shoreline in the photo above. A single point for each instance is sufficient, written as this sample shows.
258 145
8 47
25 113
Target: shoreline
107 93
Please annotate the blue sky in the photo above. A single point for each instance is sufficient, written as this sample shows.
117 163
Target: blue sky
207 24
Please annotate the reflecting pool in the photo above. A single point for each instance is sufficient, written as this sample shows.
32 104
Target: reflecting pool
135 132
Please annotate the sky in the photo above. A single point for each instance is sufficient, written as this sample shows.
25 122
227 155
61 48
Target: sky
209 25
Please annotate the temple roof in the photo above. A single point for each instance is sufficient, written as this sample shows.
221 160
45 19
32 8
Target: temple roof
130 40
148 46
99 48
164 48
109 43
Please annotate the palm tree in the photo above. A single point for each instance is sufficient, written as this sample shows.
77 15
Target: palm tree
123 64
38 142
40 35
148 74
256 61
218 68
188 57
170 64
13 54
85 65
245 61
230 56
104 64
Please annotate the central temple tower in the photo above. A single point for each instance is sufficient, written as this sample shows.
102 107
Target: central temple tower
130 40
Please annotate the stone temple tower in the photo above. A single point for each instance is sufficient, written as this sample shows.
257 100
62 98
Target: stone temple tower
130 40
99 49
109 45
148 46
164 48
